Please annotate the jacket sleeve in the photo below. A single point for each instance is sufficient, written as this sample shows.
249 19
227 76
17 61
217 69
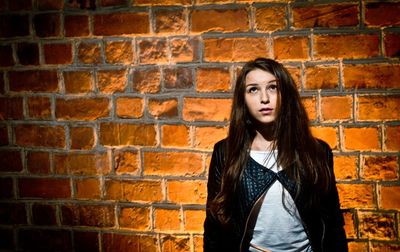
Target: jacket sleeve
212 228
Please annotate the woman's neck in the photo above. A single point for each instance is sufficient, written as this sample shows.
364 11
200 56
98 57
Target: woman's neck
264 139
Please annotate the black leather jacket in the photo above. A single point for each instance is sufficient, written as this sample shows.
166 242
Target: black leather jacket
323 225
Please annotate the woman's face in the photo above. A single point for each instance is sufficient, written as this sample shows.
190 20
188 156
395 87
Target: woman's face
261 96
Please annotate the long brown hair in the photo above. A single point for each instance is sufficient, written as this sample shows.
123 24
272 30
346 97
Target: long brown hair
298 151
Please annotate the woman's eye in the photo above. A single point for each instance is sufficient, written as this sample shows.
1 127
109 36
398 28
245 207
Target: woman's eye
252 90
273 87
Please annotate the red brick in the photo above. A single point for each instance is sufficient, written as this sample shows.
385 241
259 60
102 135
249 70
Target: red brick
129 242
163 108
137 218
11 108
327 15
127 134
349 226
350 195
86 241
87 188
40 135
371 76
293 47
382 14
346 167
375 225
178 78
20 5
44 215
82 138
372 108
198 243
231 20
328 134
270 18
206 137
346 46
89 53
2 84
187 191
334 108
10 161
12 213
392 138
354 139
121 23
82 108
111 81
184 49
171 243
76 25
385 247
389 197
33 81
6 189
392 44
3 135
175 136
358 246
14 25
39 107
170 163
82 164
171 21
107 3
234 49
167 219
380 168
129 107
28 53
206 109
50 4
6 53
78 81
127 190
194 220
163 2
47 24
146 80
39 188
153 51
57 53
119 52
88 215
200 2
126 161
310 104
38 162
44 239
213 80
321 77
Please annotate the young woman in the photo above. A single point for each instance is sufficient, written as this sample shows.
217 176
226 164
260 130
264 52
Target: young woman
271 185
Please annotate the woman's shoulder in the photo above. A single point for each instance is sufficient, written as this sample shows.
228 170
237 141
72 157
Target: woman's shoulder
324 145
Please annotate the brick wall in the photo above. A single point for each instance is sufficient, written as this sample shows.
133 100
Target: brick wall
109 110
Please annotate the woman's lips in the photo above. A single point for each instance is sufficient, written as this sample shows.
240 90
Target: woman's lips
266 111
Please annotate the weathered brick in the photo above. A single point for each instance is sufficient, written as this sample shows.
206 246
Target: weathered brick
50 4
389 197
358 246
173 163
371 76
14 25
187 191
335 108
88 215
76 25
224 20
374 225
6 188
6 53
121 23
57 53
372 108
350 195
107 3
346 46
40 135
10 161
2 84
345 167
178 78
213 80
350 224
194 220
28 53
163 2
354 138
127 134
119 52
89 53
33 81
167 219
47 24
126 190
171 243
82 164
137 218
82 108
146 80
38 162
270 18
78 81
20 5
234 49
82 138
44 215
86 241
39 107
44 239
12 213
326 15
153 51
392 138
326 133
385 247
392 44
184 49
198 243
111 81
310 104
129 107
292 47
206 109
11 108
380 168
87 188
39 188
129 242
171 21
126 161
321 77
382 14
206 137
200 2
3 135
163 108
175 136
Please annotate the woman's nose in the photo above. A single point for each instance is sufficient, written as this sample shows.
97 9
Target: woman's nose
264 96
